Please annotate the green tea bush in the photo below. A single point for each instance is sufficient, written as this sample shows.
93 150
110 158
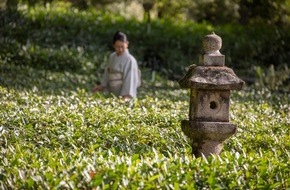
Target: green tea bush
54 133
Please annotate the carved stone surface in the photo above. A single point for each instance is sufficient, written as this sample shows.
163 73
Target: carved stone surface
217 131
211 46
208 137
213 60
210 83
212 43
200 77
211 106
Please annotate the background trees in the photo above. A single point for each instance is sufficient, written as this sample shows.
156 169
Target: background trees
212 11
255 33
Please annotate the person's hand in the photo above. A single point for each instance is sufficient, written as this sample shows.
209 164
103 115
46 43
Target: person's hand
98 88
126 98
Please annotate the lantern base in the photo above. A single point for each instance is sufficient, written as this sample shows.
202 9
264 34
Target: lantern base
207 137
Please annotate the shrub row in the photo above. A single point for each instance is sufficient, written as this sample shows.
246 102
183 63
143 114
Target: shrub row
54 134
61 38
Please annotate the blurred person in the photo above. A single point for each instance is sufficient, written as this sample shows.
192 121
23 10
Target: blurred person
121 76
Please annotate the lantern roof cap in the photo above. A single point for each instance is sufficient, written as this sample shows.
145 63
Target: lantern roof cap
209 77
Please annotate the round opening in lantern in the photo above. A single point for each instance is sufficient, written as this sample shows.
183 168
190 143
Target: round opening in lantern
213 105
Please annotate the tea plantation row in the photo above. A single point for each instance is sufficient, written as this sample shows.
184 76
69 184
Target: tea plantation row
54 133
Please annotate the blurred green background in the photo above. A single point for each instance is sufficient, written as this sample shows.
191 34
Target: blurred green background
75 35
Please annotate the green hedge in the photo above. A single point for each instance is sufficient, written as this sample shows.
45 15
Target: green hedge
61 38
55 134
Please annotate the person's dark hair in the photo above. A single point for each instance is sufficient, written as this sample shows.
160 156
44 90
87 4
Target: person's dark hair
119 36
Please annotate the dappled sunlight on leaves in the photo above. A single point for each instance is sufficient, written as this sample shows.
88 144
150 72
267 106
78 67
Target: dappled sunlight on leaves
70 138
56 134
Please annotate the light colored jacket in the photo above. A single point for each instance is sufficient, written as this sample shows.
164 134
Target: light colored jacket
122 76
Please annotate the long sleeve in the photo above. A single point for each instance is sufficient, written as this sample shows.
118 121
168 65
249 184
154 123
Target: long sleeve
131 79
105 79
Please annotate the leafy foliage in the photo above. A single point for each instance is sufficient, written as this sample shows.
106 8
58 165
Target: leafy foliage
55 133
212 11
59 37
274 79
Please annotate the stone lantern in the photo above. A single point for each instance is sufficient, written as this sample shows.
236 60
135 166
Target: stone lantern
210 84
